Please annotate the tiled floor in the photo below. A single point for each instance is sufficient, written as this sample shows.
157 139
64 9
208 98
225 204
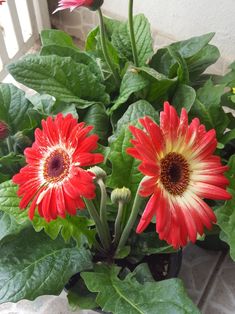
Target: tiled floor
208 276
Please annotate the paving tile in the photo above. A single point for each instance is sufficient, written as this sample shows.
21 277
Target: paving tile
221 297
197 267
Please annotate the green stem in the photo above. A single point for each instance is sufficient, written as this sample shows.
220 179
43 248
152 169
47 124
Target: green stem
105 50
132 33
9 144
103 211
131 221
118 227
94 215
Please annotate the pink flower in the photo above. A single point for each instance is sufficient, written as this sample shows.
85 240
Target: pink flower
73 4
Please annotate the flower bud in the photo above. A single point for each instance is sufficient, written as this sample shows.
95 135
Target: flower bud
121 195
233 90
98 172
96 5
4 130
21 141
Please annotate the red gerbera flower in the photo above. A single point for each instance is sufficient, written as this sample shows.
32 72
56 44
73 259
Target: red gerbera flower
181 170
53 179
73 4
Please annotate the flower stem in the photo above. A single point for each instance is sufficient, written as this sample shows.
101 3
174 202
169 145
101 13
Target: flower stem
103 212
132 33
105 49
131 221
118 227
94 215
9 144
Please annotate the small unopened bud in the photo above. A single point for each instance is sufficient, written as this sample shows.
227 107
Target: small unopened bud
98 172
95 5
4 130
22 141
233 90
121 195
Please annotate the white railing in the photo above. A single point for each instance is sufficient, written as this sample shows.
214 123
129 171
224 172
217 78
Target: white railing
20 24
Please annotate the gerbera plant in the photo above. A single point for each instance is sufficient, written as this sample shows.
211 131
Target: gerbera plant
121 158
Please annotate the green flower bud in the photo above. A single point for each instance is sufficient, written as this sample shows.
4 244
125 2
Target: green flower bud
121 195
98 172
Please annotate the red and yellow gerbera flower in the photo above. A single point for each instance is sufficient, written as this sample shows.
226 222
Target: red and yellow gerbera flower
181 170
53 179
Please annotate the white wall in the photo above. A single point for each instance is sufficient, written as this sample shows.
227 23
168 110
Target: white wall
181 19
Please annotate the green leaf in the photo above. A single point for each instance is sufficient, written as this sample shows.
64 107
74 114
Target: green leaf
148 243
228 136
132 82
80 297
123 252
182 69
135 111
60 77
226 220
11 163
32 265
184 97
159 85
129 296
77 56
208 108
56 37
124 167
91 40
202 60
143 274
47 105
96 116
226 214
9 225
193 55
14 108
75 227
121 40
10 202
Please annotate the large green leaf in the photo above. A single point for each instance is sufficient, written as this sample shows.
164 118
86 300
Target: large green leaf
75 227
10 164
135 111
148 243
14 108
163 62
60 77
80 297
10 202
47 105
96 116
77 56
184 97
121 40
129 296
9 225
124 167
32 265
209 109
132 82
226 221
56 37
226 214
159 85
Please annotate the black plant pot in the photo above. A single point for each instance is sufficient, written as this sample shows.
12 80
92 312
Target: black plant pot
212 242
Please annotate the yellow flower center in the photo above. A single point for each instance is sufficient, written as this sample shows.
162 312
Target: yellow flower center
174 173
